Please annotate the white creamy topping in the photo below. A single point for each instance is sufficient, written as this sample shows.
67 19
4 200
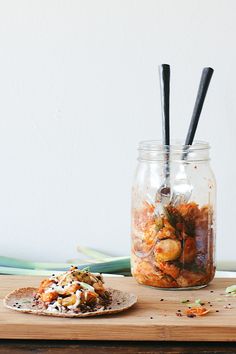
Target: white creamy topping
86 286
52 308
58 288
76 304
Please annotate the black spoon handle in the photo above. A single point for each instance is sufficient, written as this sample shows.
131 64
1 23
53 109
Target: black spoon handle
201 95
164 73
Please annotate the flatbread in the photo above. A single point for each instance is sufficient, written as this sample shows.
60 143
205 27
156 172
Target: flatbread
21 300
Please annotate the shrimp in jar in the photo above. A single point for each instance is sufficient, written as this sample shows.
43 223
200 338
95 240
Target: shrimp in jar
167 250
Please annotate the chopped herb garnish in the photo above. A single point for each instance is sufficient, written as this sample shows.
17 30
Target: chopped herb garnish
184 301
231 290
198 302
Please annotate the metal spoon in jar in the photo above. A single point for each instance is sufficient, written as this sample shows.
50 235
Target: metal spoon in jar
182 188
163 193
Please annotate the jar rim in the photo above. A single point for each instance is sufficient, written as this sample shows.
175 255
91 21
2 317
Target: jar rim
177 145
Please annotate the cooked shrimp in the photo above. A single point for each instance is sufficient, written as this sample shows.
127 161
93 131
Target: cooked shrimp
48 297
44 284
167 250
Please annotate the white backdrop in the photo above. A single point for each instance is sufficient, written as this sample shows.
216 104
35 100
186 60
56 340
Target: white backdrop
79 89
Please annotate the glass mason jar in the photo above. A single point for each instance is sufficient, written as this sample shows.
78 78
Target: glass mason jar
173 237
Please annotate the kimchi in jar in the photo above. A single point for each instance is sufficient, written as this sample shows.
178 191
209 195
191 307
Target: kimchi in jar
173 239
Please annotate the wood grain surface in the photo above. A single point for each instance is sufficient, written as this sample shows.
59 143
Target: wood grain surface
151 319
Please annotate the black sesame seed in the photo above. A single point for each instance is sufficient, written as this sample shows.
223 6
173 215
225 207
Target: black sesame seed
217 310
162 300
179 310
212 291
211 305
16 303
151 318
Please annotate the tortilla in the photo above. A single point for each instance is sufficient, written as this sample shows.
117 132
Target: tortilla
22 300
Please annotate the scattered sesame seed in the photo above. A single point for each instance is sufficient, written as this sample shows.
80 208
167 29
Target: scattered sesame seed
212 291
151 318
162 300
217 310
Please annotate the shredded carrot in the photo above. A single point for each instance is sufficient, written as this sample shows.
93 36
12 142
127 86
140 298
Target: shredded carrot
197 311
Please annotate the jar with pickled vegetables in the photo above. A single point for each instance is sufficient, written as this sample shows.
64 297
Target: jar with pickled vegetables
173 239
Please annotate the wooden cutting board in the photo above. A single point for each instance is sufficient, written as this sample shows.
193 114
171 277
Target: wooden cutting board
150 319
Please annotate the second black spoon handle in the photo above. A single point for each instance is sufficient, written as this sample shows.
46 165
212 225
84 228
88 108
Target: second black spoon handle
202 91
